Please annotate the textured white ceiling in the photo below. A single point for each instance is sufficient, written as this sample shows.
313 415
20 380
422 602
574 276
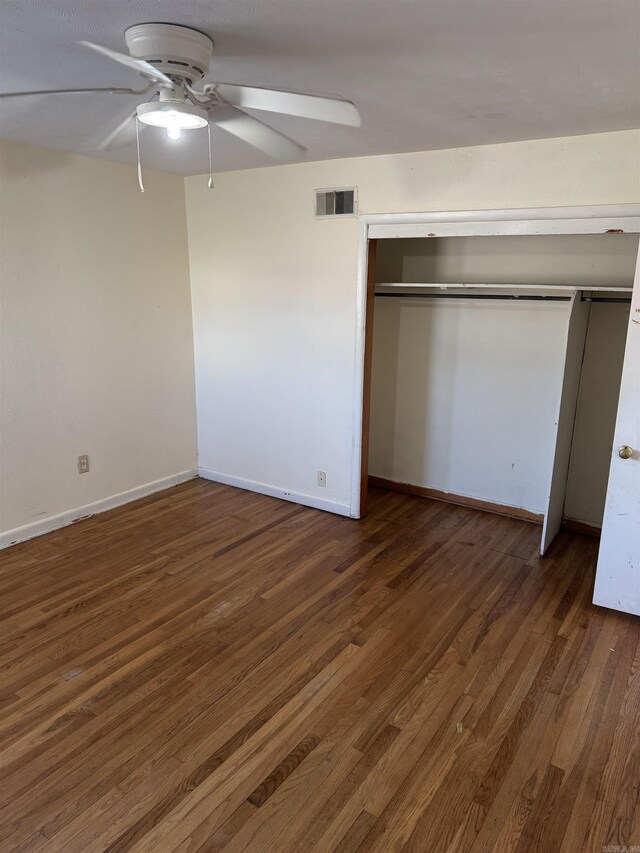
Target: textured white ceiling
425 74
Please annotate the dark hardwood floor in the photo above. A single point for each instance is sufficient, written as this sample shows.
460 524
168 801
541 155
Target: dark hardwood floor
211 669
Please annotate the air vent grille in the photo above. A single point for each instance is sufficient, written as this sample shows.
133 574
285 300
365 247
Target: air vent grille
336 202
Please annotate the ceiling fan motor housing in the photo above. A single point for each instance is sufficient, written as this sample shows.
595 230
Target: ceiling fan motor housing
179 52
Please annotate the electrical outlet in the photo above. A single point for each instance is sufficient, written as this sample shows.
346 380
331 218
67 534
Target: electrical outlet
322 478
83 464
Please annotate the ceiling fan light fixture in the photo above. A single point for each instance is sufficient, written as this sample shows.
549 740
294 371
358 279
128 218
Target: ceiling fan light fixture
171 59
173 115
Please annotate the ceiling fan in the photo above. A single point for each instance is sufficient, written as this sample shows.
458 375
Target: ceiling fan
173 59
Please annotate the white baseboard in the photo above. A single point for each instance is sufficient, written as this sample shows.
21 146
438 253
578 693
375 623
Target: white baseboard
275 492
54 522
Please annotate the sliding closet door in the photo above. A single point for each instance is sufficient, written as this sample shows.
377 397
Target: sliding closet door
574 351
618 573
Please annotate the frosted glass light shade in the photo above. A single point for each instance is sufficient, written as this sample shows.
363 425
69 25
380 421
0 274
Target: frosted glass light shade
173 114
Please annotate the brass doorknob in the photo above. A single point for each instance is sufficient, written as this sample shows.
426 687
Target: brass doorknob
625 452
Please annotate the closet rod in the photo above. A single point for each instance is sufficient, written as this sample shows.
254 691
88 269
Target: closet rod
625 300
501 296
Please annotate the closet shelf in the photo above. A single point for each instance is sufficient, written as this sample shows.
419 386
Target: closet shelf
502 286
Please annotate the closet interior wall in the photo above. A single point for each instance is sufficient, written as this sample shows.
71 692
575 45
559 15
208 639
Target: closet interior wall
466 392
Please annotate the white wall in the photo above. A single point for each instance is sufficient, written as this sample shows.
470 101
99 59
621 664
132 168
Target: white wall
96 349
274 289
465 396
596 413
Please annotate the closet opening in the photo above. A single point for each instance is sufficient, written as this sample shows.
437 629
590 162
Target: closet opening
492 369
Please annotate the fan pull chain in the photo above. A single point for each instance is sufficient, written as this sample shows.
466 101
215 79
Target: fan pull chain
210 183
140 182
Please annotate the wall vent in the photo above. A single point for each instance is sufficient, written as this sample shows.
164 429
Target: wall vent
336 202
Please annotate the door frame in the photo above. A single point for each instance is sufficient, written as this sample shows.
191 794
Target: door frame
595 219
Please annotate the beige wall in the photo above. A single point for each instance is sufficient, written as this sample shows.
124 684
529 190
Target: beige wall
274 289
96 349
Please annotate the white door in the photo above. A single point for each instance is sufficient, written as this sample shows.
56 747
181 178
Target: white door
618 573
577 320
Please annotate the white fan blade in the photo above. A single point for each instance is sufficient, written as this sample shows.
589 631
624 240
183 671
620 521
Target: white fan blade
111 91
256 133
291 103
145 68
128 124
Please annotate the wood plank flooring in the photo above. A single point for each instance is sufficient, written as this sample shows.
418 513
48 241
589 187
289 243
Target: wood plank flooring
209 669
